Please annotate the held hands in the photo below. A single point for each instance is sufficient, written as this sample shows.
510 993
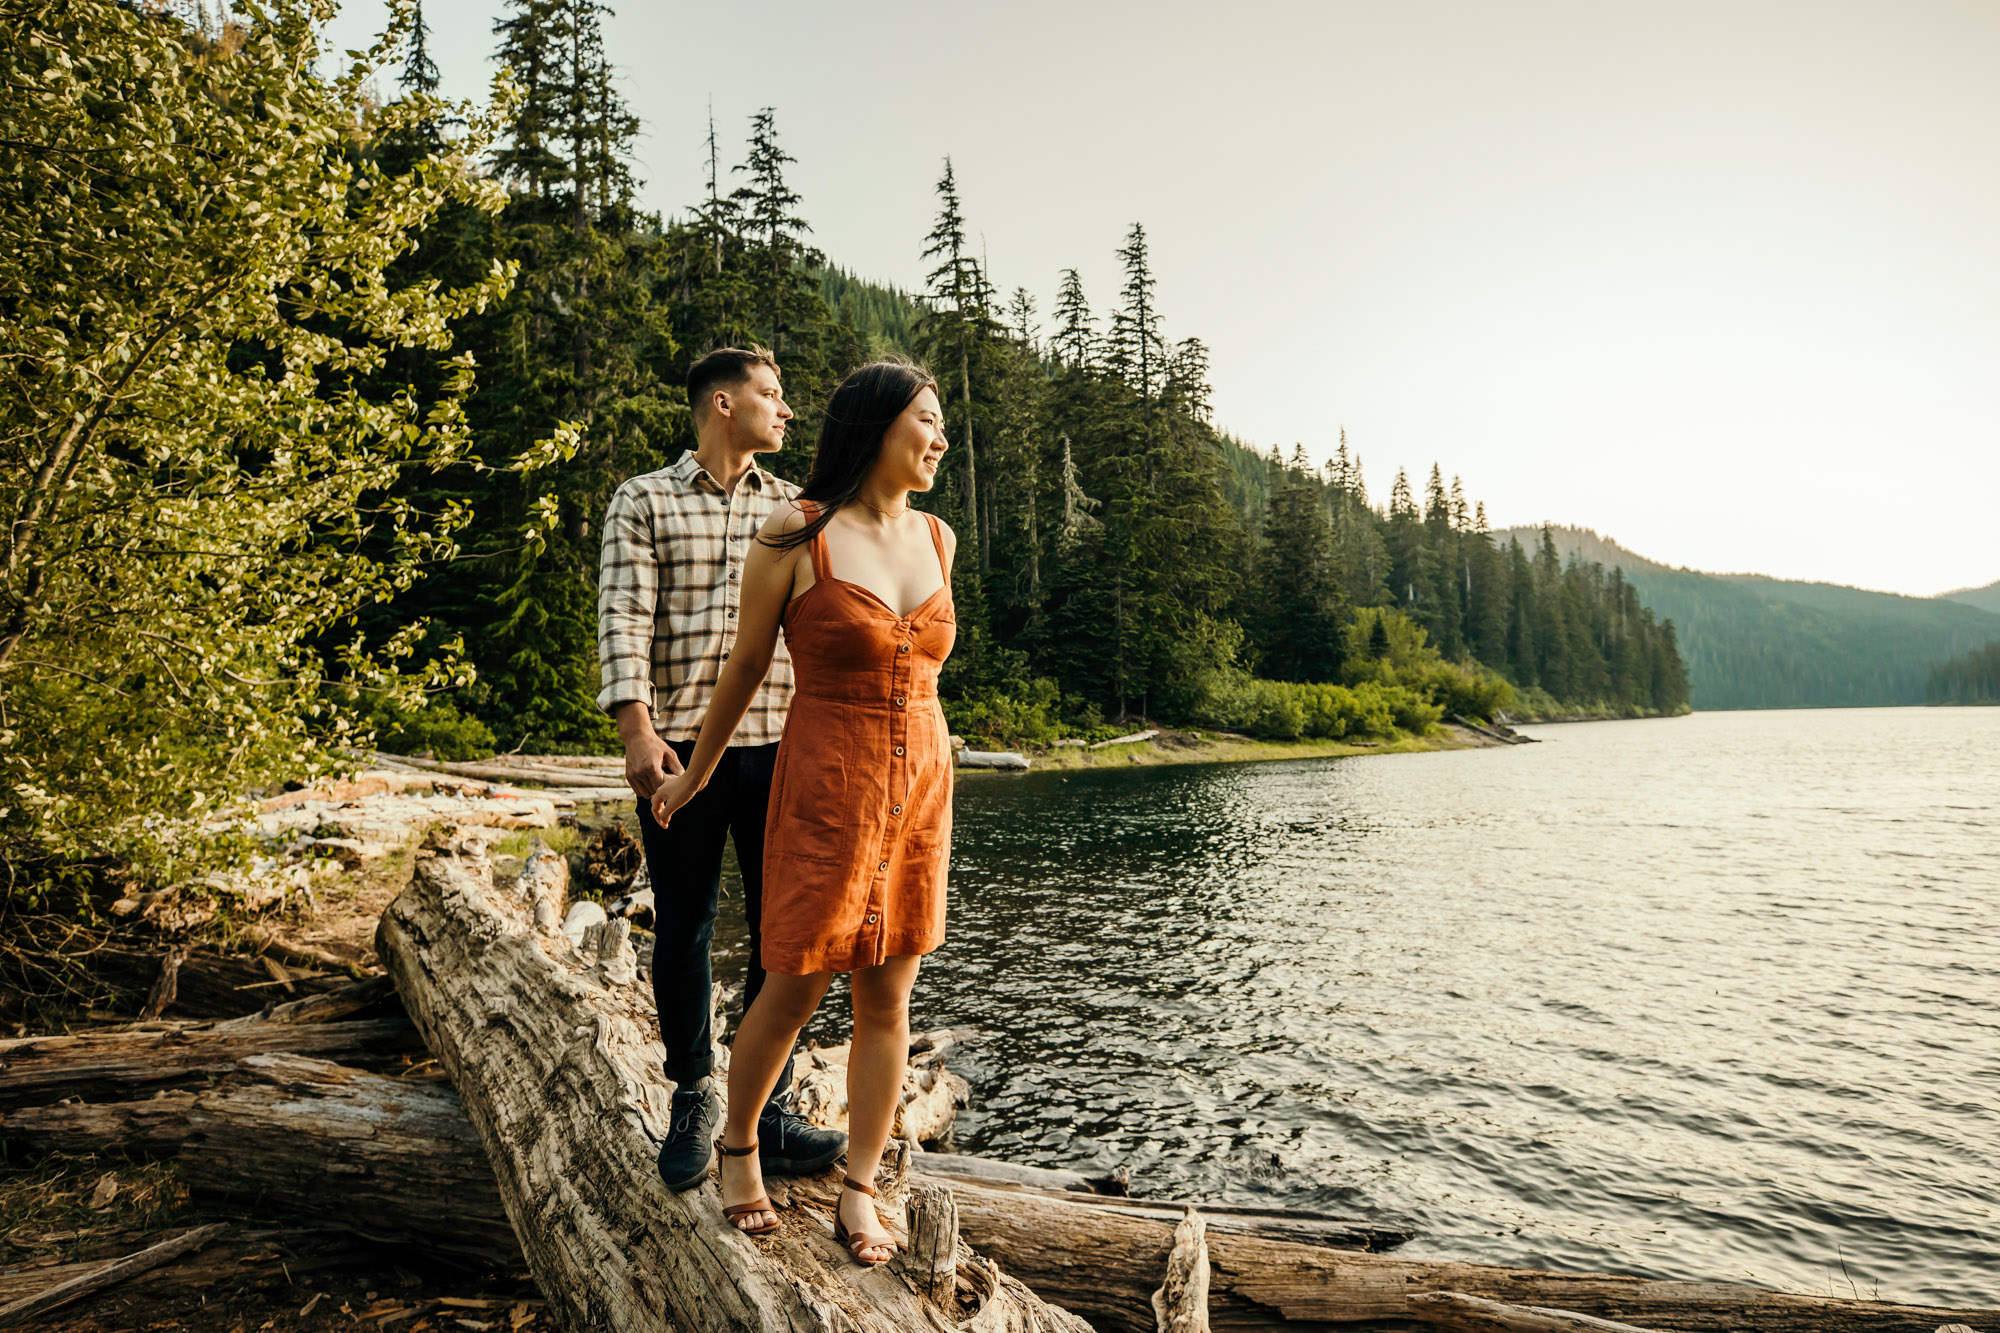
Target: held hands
671 795
648 761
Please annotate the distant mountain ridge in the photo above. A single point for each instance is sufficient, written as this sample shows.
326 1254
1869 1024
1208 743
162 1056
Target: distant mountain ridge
1986 598
1751 641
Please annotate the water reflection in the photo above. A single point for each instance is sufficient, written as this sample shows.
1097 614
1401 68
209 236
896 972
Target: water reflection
1705 998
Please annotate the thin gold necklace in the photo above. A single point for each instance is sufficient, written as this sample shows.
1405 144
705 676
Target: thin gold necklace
892 513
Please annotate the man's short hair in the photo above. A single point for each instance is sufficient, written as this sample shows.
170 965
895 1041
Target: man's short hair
722 368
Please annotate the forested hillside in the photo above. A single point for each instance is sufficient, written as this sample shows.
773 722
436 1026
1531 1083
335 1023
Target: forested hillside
1757 642
1117 556
1986 598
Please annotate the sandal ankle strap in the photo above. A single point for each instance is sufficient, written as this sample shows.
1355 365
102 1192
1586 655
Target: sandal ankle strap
854 1184
728 1151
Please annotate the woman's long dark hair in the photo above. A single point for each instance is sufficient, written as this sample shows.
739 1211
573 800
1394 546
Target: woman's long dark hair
857 418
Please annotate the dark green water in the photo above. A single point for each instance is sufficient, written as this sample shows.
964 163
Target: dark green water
1716 997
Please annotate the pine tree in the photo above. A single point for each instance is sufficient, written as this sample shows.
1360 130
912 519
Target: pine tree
1137 352
1075 341
1302 612
784 300
959 303
420 72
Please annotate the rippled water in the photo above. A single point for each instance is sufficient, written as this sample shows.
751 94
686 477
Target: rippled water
1715 997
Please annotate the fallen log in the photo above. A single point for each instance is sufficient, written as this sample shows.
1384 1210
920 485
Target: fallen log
1470 1314
108 1274
1105 1266
1100 1256
388 1160
240 1257
557 1071
118 1065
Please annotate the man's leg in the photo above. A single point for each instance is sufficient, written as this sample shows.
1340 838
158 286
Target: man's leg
750 798
684 862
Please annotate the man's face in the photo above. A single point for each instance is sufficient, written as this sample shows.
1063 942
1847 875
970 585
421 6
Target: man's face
757 411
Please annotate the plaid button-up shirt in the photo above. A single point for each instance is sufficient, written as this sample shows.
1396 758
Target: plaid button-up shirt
669 588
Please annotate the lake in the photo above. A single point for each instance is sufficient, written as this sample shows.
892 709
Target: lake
1712 997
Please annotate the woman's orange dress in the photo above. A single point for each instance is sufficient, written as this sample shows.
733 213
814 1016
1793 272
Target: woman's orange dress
858 834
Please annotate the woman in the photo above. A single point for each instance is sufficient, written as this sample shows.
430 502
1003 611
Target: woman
859 829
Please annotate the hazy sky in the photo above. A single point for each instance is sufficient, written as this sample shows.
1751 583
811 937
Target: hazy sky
1720 280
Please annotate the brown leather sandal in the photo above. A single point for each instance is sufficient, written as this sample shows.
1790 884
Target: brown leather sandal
760 1204
857 1241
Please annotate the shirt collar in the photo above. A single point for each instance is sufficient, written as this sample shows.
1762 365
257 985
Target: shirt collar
688 472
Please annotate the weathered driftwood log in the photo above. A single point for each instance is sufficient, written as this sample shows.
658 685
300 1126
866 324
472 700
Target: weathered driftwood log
385 1159
557 1070
1456 1310
1181 1303
116 1066
931 1097
239 1256
63 1291
1083 1251
1105 1267
1282 1224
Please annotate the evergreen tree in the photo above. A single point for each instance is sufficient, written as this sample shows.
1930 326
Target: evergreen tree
1075 342
784 300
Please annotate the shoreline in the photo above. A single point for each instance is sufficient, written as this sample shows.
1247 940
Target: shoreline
1192 747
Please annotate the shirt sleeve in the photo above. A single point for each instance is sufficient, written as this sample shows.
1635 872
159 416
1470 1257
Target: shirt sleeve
627 593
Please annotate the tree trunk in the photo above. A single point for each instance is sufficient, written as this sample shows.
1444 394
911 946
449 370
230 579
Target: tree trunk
327 1137
558 1071
110 1066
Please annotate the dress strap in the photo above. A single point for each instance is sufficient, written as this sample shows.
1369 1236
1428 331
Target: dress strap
816 548
937 540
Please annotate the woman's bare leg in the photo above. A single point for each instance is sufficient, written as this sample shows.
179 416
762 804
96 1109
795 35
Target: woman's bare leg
764 1039
875 1066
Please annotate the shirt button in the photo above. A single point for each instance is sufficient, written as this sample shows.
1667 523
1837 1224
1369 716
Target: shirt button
732 613
895 809
871 918
883 866
899 749
902 647
899 701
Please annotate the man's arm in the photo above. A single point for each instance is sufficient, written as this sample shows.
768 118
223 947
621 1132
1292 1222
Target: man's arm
628 587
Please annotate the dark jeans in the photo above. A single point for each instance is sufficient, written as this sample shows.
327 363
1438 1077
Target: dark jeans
684 861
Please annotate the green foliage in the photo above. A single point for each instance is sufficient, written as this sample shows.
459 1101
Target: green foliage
1756 642
1292 710
434 727
208 411
1973 678
1034 713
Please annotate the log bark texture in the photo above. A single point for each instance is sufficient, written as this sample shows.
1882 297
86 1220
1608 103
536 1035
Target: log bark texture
1089 1253
388 1160
1469 1314
1105 1266
118 1066
104 1275
558 1071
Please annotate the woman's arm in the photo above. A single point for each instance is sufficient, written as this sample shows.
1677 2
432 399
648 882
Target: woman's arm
767 587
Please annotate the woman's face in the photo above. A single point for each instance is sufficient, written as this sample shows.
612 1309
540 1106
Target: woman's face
914 445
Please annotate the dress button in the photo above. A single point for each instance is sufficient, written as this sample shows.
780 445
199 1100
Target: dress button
899 749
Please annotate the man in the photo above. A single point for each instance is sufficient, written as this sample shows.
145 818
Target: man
669 588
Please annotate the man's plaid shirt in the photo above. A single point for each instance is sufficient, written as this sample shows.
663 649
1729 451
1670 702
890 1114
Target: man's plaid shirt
669 586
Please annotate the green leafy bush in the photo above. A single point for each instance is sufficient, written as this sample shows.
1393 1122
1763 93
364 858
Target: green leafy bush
437 728
1029 713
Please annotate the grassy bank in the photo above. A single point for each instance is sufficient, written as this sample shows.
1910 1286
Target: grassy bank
1198 747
